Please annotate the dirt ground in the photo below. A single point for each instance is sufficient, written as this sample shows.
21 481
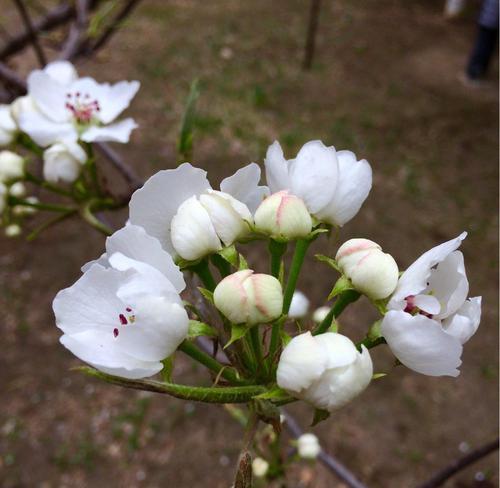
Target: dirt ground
385 85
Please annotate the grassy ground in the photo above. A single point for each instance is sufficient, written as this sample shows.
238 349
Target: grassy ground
384 85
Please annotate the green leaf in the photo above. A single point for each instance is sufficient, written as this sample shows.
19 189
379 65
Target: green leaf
243 263
207 294
185 143
343 284
237 332
376 376
168 367
197 329
230 254
319 416
330 261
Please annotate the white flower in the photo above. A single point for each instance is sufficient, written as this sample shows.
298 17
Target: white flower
63 161
308 446
123 319
299 305
333 184
8 126
248 298
320 314
283 216
260 467
17 189
13 230
11 166
191 220
429 314
67 108
325 370
370 270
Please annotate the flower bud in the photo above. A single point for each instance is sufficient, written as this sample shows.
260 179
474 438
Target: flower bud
325 370
283 216
320 314
299 305
12 230
24 210
308 446
11 166
17 189
63 162
260 467
371 271
192 232
248 298
8 126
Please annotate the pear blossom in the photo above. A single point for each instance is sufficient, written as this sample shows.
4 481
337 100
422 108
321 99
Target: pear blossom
370 270
299 305
283 216
430 316
11 166
308 446
333 184
248 298
325 370
123 319
63 161
189 218
63 107
8 127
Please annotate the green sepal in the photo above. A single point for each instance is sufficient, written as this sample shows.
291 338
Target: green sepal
237 332
242 263
343 284
207 294
185 264
376 376
319 416
168 368
267 411
197 329
316 232
330 261
381 305
375 332
229 254
285 338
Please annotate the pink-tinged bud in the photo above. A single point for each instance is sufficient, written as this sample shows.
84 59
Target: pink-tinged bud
371 271
248 298
283 216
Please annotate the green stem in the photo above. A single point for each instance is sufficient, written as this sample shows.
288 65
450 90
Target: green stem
370 343
198 355
58 218
297 260
277 250
92 220
344 299
256 346
51 207
221 264
202 269
232 394
48 186
275 339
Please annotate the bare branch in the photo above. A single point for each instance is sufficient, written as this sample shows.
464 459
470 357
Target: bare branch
331 463
311 34
31 32
12 78
76 37
459 464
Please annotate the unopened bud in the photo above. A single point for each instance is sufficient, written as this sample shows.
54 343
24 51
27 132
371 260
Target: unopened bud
283 216
248 298
320 314
12 230
17 189
11 166
260 467
308 446
299 305
370 270
63 162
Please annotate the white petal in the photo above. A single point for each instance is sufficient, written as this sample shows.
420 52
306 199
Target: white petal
61 71
314 175
449 284
427 303
135 243
116 98
119 132
244 186
49 96
44 131
154 205
339 349
353 186
464 323
98 349
192 232
276 169
422 344
414 280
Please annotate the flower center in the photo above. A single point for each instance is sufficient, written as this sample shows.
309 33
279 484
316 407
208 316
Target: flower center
412 309
127 318
83 108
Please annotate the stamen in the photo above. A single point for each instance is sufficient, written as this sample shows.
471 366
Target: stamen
115 332
123 319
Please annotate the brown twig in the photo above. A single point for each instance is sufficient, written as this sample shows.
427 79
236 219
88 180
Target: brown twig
12 78
330 463
444 474
311 34
76 37
31 32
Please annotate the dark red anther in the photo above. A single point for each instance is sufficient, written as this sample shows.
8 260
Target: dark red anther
128 309
115 332
123 320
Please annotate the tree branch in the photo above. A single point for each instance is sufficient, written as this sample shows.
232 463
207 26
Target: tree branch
30 31
459 464
311 34
76 37
12 78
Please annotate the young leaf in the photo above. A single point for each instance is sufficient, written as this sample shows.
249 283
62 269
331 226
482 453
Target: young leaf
330 261
185 144
197 329
319 416
237 332
243 263
342 284
376 376
230 254
168 367
207 294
